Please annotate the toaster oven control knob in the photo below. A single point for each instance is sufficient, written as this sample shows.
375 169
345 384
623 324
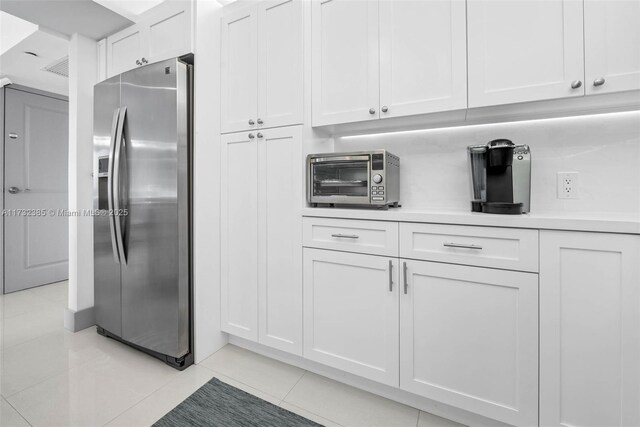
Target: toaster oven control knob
377 178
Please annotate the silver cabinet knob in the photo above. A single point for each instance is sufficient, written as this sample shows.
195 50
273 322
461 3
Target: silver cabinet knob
372 110
576 84
384 109
251 136
260 135
598 81
260 121
144 61
13 135
138 62
251 122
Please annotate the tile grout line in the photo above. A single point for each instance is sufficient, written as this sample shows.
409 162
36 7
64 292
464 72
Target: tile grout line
294 386
18 412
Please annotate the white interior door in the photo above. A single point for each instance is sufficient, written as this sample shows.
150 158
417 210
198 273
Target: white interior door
238 73
524 50
423 56
280 73
280 255
345 58
469 338
36 235
239 235
612 45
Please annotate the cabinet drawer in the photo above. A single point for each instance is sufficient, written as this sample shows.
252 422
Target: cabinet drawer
505 248
369 237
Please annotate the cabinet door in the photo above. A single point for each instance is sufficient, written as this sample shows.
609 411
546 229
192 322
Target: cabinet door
280 71
351 313
239 235
612 45
524 50
589 329
345 77
239 77
469 338
124 49
280 259
169 27
423 56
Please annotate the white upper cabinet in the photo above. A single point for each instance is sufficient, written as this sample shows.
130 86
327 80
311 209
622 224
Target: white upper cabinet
612 45
280 81
124 49
469 338
261 66
345 58
163 32
589 329
239 77
524 50
423 57
402 58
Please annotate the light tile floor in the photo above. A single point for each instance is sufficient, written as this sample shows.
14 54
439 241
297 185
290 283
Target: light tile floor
51 377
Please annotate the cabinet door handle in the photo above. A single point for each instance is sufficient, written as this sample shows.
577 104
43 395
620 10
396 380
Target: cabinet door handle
372 111
346 236
385 109
251 136
138 62
598 81
459 245
576 84
144 61
260 121
404 274
260 135
390 276
251 122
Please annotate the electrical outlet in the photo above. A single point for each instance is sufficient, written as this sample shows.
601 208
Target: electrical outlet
568 185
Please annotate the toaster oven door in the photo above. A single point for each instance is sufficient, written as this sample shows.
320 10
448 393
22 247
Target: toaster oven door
340 180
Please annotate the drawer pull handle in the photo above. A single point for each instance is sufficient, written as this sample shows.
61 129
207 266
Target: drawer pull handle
346 236
390 276
458 245
404 274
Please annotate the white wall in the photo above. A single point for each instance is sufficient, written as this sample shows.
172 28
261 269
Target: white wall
604 149
82 77
206 178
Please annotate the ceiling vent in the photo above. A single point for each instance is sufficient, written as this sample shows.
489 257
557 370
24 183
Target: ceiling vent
59 67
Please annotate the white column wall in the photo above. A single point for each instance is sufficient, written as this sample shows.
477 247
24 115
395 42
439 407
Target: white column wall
206 178
82 77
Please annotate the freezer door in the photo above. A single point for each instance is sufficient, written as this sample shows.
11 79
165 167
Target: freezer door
106 268
154 188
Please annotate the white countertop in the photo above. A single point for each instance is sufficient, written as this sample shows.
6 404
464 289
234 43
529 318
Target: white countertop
572 221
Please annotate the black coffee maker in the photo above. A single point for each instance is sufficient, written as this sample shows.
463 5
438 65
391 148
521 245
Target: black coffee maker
500 177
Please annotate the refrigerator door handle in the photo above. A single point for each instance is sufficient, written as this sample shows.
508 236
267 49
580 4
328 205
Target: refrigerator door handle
116 187
112 218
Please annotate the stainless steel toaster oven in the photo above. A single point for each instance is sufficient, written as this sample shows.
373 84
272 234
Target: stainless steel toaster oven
358 178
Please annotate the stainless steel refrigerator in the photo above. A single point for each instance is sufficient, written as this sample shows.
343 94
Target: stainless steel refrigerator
142 232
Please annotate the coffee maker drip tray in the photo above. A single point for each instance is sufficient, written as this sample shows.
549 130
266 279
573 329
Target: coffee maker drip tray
502 208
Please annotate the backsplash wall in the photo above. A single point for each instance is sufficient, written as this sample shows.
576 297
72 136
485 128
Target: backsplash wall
604 149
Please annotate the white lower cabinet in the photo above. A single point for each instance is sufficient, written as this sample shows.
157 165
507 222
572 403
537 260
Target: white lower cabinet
261 236
351 313
469 338
589 329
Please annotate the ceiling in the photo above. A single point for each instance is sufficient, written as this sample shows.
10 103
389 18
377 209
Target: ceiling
67 17
26 69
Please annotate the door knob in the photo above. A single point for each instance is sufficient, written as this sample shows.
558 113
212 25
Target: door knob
385 109
598 81
16 190
576 84
251 136
372 110
251 122
138 62
144 61
260 135
260 121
